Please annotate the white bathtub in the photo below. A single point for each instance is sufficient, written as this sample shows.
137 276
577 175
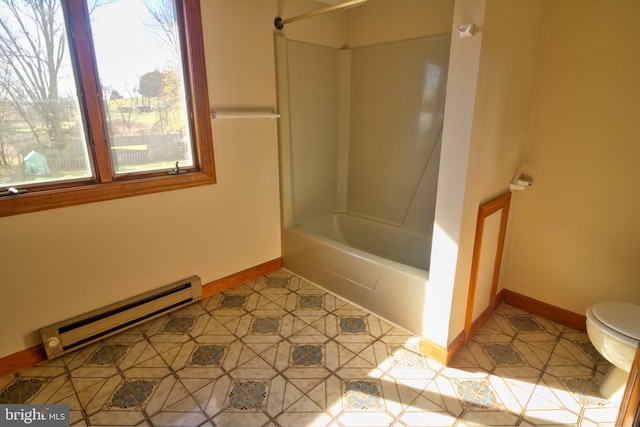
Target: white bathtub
377 266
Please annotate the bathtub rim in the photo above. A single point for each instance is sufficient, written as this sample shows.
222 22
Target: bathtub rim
359 253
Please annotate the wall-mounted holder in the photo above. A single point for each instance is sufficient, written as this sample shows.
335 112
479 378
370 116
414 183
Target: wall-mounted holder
521 183
216 115
465 30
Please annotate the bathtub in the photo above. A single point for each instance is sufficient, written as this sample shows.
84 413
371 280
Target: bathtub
377 266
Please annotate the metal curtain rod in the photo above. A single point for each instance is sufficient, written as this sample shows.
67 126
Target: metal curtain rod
279 22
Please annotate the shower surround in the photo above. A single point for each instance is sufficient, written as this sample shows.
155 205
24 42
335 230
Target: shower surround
360 146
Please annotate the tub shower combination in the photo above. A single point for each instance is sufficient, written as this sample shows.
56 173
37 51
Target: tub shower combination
360 134
377 266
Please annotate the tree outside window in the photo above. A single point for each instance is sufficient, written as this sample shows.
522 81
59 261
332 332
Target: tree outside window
101 92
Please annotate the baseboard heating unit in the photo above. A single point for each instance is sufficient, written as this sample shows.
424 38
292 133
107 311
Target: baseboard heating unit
79 331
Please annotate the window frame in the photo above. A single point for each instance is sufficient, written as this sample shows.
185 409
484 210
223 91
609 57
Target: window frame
105 185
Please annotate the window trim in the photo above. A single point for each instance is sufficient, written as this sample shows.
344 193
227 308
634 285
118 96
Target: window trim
104 186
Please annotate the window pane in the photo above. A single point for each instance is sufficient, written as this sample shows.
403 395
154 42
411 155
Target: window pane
137 48
42 136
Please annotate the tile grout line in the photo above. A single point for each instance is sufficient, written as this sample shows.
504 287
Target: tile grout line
328 339
147 417
520 416
485 381
370 350
540 376
67 372
331 372
226 373
272 418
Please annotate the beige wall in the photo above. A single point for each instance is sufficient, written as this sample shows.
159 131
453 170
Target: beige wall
575 237
327 30
462 83
383 21
512 33
491 83
59 263
549 89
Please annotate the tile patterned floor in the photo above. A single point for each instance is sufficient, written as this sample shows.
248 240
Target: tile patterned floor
280 351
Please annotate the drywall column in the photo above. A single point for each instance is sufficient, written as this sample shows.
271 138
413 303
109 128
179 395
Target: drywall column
456 138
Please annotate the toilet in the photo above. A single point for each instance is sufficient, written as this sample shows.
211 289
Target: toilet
614 330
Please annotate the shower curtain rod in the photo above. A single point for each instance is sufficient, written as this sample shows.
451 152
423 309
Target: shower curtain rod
279 22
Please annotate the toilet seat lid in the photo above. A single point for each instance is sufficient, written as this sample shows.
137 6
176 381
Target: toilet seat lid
619 316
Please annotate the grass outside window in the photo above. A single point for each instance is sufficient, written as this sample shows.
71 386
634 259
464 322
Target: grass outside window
121 109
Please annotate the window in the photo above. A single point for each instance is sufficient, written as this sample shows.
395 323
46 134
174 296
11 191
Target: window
100 99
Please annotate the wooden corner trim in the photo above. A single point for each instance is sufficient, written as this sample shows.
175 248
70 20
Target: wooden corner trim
34 355
433 351
22 359
441 354
444 355
235 279
548 311
454 347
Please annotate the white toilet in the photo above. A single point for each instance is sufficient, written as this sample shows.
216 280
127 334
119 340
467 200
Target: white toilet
614 330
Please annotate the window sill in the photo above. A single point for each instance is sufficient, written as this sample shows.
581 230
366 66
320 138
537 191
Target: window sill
52 199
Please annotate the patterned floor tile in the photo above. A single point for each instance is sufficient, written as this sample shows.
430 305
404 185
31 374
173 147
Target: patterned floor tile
362 395
406 356
131 394
21 391
95 394
179 418
108 354
307 355
311 419
372 419
118 418
265 325
489 418
278 350
208 355
584 390
533 354
232 301
240 419
315 302
524 323
210 394
550 395
428 418
554 417
513 394
478 394
247 395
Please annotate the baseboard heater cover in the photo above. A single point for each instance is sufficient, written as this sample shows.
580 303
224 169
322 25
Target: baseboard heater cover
72 334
